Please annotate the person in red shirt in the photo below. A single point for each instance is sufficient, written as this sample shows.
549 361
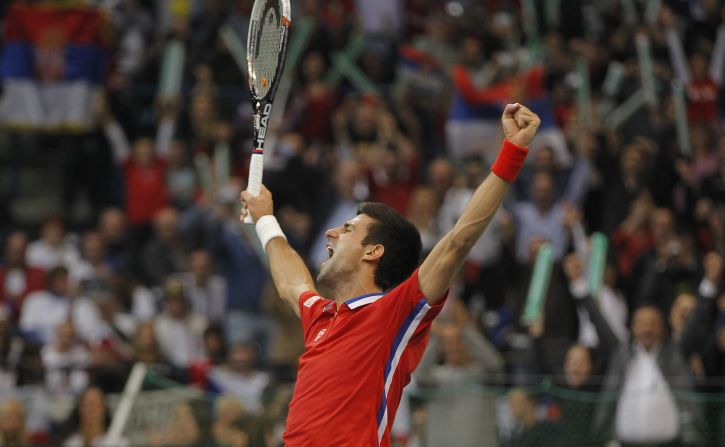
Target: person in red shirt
363 343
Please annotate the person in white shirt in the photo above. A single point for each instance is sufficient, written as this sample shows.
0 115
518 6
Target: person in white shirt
179 330
241 377
44 310
207 291
51 249
644 375
65 362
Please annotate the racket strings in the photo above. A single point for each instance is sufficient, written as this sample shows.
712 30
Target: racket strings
268 32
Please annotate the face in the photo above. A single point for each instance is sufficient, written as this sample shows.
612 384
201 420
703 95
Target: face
113 225
681 310
453 347
93 408
165 224
344 246
542 189
52 232
520 403
544 159
647 327
200 264
242 358
577 366
143 151
15 249
12 418
93 247
662 225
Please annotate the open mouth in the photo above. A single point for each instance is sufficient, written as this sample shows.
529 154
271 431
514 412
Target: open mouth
330 252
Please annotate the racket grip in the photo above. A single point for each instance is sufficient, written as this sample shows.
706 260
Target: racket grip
254 185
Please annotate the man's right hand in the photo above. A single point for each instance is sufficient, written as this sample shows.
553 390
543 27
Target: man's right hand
257 206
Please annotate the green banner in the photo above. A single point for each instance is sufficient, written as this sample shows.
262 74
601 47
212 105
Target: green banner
646 70
681 124
235 46
201 162
539 285
597 263
172 69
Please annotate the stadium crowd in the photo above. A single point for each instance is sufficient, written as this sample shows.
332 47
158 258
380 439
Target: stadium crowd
397 102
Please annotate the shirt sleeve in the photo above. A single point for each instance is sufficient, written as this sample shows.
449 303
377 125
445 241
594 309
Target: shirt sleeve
408 311
312 310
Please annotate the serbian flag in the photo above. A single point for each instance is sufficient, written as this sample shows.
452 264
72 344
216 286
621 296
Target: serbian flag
52 64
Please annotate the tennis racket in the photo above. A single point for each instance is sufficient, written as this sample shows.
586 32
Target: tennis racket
269 27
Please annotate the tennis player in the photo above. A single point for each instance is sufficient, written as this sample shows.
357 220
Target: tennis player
363 340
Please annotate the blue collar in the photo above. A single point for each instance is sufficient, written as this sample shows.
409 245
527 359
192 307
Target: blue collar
362 300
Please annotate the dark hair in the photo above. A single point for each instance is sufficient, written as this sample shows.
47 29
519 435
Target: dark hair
401 241
54 274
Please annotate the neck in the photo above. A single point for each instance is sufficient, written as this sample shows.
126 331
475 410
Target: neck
92 430
345 290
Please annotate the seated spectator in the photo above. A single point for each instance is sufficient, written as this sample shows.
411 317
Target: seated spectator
241 377
233 426
91 273
17 279
178 330
89 422
183 429
165 253
66 362
529 430
44 310
206 290
112 228
11 345
12 424
52 249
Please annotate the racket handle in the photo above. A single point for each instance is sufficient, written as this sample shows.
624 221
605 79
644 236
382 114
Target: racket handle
254 185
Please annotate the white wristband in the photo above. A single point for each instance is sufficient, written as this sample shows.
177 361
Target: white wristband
268 229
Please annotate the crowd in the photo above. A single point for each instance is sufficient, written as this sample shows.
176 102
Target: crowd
397 102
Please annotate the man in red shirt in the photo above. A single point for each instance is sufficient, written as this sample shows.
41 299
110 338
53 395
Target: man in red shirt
363 343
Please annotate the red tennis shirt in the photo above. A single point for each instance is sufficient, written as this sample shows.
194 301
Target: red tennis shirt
358 357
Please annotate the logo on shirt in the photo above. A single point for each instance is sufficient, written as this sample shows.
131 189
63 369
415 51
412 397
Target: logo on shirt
312 300
320 334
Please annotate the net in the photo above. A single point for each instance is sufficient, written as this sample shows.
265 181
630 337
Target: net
547 415
265 42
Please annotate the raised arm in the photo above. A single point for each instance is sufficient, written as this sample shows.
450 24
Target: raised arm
440 267
289 272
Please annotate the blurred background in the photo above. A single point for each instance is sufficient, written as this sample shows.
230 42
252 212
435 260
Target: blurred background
136 310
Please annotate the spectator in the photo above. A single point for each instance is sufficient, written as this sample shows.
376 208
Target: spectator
653 363
10 348
89 422
207 291
165 253
455 416
529 431
66 362
544 214
112 227
233 426
12 424
178 329
183 429
51 250
91 273
17 279
44 310
241 377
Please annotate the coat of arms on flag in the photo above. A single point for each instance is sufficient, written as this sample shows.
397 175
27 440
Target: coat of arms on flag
53 62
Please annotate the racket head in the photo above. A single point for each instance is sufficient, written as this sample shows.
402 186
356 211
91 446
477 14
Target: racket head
269 26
